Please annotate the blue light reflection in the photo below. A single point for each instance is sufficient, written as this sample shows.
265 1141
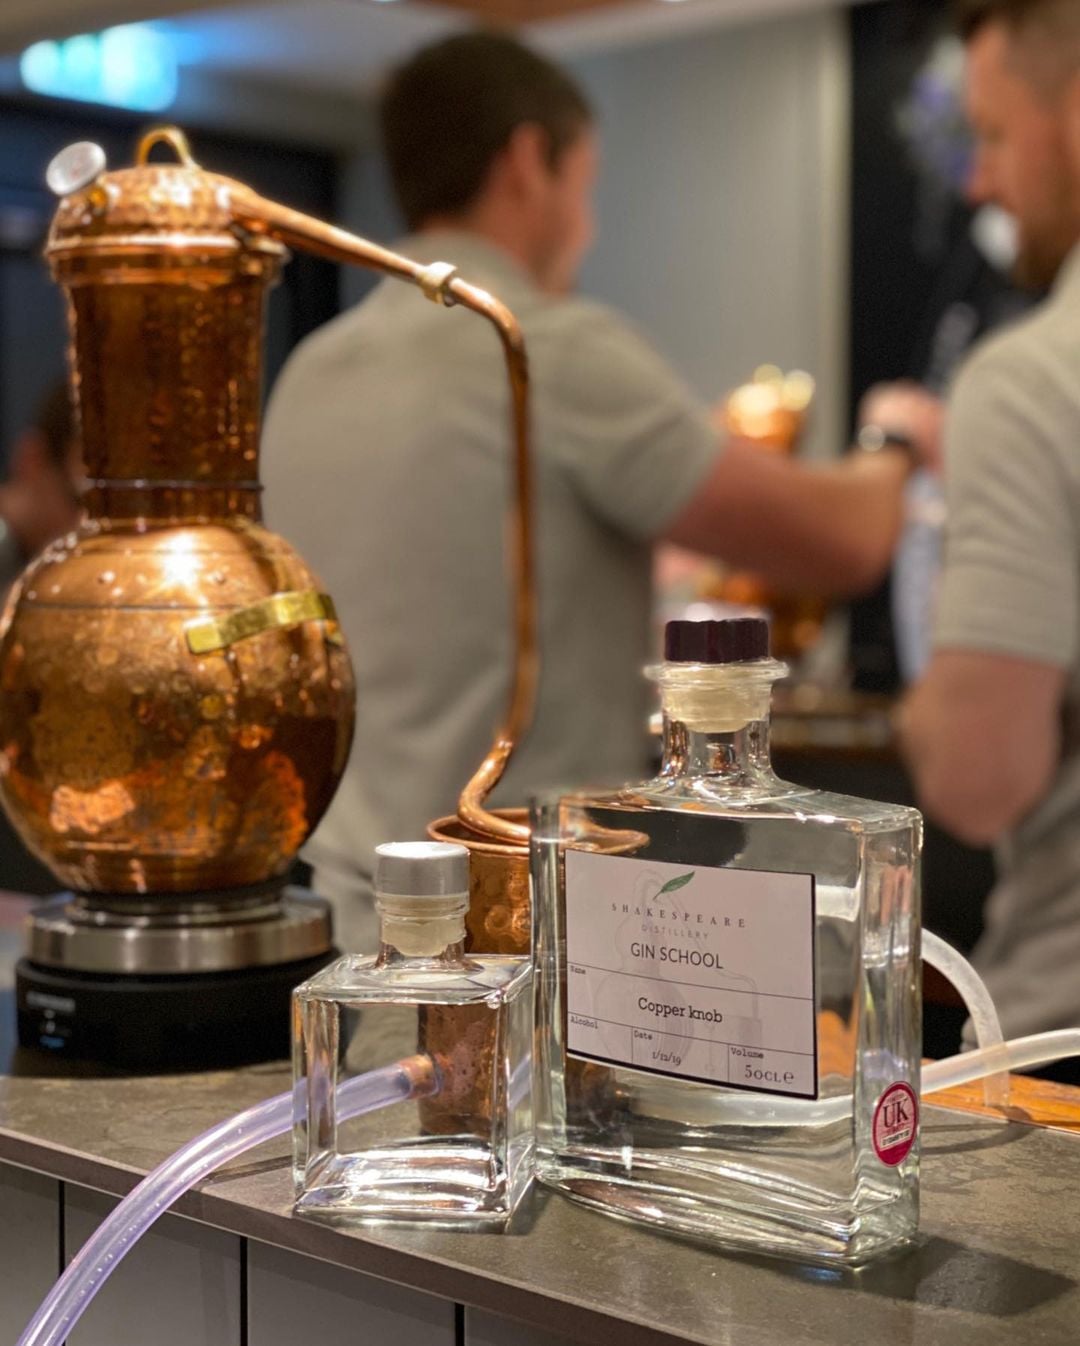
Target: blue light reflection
132 66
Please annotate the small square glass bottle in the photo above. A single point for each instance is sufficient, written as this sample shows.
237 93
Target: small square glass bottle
728 988
461 1156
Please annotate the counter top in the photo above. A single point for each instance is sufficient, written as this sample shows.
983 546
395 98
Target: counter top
996 1260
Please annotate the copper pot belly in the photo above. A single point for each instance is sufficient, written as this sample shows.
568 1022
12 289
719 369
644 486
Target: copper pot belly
132 764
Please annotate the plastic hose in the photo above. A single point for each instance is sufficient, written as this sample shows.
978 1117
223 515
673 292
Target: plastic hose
984 1017
1040 1049
102 1252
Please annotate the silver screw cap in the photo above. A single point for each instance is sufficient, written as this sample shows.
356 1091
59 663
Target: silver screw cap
421 869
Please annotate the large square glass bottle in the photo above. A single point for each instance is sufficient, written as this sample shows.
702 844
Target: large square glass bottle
728 984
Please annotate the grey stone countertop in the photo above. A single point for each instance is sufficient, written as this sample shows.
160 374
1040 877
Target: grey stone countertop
997 1259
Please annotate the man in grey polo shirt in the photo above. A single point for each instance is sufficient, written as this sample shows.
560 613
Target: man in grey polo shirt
387 462
993 731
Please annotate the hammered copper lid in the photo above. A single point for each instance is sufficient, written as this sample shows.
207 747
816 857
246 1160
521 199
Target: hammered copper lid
178 204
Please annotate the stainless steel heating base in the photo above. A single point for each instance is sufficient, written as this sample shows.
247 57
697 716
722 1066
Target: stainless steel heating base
158 984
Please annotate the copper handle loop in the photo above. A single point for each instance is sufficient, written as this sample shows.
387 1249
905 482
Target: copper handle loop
256 215
165 135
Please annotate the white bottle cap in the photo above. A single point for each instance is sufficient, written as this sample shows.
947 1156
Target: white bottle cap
422 869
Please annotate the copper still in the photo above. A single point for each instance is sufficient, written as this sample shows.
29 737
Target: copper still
177 702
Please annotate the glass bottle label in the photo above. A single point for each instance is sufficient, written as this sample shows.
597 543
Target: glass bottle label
691 971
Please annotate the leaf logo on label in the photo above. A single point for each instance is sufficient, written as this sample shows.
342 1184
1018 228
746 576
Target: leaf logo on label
673 885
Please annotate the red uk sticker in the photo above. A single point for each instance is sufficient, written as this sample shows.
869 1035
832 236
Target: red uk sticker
896 1123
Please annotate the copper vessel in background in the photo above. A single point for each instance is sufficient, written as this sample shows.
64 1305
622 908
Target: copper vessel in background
770 411
499 916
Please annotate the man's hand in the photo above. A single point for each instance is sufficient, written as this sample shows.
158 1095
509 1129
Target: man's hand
37 516
38 501
907 409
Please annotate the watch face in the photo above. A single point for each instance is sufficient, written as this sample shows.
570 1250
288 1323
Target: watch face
875 437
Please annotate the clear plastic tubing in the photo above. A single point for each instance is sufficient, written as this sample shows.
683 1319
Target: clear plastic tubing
984 1017
1020 1054
414 1077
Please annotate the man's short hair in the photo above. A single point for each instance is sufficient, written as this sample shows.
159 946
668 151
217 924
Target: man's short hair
1048 32
448 112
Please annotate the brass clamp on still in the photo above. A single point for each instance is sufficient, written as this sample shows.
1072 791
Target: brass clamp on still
204 635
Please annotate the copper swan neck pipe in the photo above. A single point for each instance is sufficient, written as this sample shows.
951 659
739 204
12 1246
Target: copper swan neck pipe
441 283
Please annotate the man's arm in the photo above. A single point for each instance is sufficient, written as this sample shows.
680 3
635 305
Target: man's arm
824 528
648 458
829 528
982 731
981 734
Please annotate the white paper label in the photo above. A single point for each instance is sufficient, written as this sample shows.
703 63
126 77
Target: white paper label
687 970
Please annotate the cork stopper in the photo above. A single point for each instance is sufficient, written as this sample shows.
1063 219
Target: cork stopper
717 675
732 640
